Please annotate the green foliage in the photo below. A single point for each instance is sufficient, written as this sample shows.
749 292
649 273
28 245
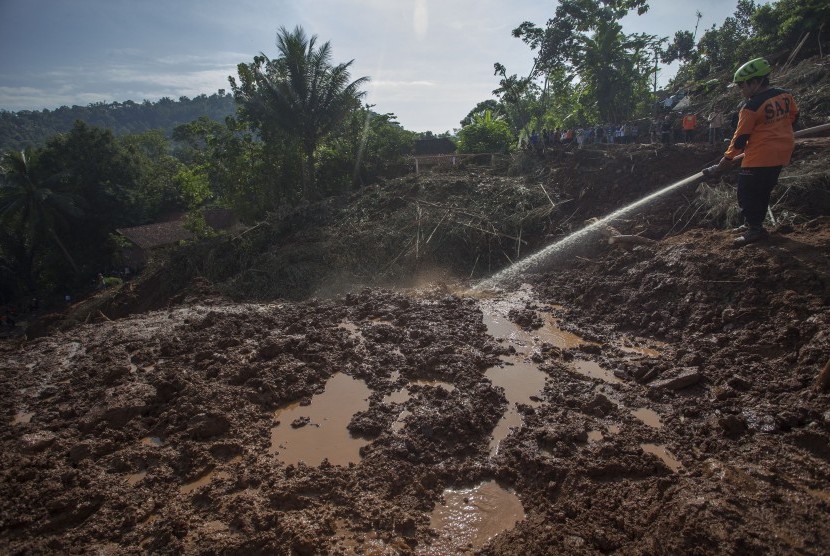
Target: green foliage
584 42
364 148
492 105
34 127
300 94
193 186
112 281
34 216
781 26
485 134
769 30
195 223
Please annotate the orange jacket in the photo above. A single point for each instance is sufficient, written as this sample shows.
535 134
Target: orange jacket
689 122
765 130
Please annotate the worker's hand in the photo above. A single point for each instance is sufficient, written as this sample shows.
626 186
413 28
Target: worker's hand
724 165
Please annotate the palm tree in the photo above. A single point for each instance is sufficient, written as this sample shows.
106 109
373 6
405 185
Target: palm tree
33 208
300 92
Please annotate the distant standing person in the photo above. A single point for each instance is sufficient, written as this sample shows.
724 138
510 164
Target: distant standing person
765 136
715 127
689 124
666 130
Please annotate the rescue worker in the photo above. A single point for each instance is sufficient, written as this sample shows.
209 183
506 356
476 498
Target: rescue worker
765 137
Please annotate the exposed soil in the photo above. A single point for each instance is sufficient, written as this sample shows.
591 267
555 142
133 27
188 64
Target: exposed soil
679 412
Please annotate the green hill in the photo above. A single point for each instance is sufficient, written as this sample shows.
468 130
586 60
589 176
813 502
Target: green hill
32 127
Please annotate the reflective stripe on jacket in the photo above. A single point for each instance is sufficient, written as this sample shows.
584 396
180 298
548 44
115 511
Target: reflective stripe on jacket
765 130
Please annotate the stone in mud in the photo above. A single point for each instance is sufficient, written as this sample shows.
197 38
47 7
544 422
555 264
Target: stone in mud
300 422
207 425
733 426
599 406
37 441
687 377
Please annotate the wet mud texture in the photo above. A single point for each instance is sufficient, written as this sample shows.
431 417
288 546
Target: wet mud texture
127 416
152 433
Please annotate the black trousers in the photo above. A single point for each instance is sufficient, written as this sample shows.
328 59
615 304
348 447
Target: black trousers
754 188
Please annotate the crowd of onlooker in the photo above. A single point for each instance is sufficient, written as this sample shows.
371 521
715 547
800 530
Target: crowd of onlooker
667 129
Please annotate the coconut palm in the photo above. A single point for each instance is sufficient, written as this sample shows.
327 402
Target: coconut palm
31 207
300 92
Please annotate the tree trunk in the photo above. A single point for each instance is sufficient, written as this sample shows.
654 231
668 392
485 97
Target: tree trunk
65 252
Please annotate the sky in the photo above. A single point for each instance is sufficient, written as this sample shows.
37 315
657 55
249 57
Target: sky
429 61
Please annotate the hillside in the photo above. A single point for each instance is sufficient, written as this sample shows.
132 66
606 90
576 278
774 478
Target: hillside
333 380
33 128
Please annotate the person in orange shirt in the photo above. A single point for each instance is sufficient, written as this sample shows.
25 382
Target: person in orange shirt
765 138
689 124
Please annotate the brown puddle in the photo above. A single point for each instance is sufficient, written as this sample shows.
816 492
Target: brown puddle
187 488
325 436
469 518
135 478
661 452
594 370
399 423
595 436
554 335
520 378
649 417
153 441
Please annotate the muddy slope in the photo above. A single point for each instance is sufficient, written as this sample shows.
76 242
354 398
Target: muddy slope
155 432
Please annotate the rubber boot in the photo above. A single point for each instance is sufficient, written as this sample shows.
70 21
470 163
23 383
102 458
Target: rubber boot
751 235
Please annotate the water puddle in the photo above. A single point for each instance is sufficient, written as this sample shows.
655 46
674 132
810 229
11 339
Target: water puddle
557 337
520 378
187 488
595 436
661 452
318 431
22 418
135 478
649 417
592 369
469 518
399 423
614 429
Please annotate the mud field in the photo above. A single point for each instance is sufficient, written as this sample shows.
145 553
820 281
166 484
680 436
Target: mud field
523 420
649 399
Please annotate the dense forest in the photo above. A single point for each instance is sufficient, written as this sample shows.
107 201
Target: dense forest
295 129
19 130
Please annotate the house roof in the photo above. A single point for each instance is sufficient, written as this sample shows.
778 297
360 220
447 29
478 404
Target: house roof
165 233
156 235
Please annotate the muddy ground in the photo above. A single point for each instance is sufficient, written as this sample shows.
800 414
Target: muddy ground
676 411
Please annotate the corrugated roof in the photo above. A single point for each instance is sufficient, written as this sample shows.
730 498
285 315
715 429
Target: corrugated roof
165 233
156 235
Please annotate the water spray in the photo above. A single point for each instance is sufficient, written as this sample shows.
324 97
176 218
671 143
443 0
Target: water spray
543 259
